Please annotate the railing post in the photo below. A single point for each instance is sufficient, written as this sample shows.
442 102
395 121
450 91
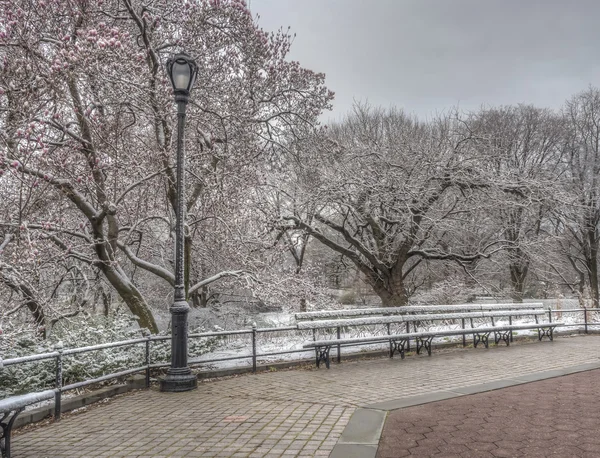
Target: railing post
549 314
585 319
510 323
58 382
253 347
147 358
389 333
339 347
464 336
408 332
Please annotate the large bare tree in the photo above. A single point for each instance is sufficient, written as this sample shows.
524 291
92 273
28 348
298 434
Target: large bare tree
394 194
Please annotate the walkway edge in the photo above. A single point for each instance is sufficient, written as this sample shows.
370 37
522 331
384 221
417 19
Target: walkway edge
360 438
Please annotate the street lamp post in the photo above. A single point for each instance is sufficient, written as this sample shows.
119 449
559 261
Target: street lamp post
182 72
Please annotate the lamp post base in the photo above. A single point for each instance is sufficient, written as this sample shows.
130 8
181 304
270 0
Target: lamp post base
177 380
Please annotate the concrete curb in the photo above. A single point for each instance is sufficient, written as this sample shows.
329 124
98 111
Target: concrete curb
360 440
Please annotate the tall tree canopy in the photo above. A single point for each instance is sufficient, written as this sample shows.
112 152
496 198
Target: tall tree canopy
87 122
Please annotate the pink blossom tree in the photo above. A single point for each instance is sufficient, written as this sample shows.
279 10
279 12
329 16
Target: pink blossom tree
86 114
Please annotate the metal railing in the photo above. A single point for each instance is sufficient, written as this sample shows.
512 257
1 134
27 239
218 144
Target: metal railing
146 365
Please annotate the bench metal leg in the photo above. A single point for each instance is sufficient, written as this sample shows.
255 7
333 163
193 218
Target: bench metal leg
483 337
546 332
6 430
502 335
424 342
322 354
397 345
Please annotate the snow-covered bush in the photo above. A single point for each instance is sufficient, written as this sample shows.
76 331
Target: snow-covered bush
81 332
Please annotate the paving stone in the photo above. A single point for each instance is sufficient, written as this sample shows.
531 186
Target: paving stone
504 426
313 405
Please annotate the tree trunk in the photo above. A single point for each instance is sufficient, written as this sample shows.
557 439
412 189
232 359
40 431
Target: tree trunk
391 291
106 301
518 275
132 297
592 264
37 312
303 304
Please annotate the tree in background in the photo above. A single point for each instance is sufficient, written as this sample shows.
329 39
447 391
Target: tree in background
581 210
394 194
522 148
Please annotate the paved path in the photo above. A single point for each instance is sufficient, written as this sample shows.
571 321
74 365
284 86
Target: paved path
296 412
555 417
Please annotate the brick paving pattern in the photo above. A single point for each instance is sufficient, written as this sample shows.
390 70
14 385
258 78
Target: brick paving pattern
283 413
554 417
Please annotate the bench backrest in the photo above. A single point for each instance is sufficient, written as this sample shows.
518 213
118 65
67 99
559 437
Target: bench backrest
383 311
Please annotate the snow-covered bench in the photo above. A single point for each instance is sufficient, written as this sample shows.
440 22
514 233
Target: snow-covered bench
419 318
400 342
15 405
384 311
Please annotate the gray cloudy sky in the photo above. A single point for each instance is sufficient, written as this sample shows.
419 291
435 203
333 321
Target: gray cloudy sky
428 55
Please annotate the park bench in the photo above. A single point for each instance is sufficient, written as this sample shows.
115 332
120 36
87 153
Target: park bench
384 311
15 405
401 342
307 320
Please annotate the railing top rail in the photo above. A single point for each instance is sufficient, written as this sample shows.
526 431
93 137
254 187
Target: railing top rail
576 310
222 333
122 343
28 359
277 329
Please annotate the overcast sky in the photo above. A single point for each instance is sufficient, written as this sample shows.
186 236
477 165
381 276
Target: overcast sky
429 55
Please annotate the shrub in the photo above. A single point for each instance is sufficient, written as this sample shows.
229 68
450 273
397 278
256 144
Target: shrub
82 332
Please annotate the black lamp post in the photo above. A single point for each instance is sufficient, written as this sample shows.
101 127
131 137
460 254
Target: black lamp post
182 71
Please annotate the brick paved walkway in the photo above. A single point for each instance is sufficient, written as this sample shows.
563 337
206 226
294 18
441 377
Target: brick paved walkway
284 413
554 417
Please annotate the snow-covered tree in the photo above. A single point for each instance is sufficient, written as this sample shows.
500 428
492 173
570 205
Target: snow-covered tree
392 194
87 115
